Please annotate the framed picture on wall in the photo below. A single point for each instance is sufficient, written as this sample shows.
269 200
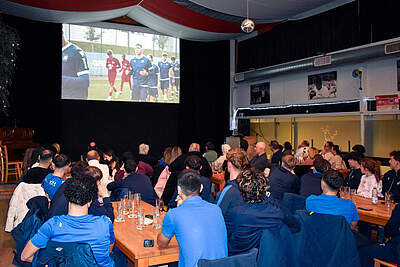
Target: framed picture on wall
322 85
259 93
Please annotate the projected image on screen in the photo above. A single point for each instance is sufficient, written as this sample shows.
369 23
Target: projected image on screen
118 65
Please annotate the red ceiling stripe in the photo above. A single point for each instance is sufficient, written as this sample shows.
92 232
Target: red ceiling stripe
78 5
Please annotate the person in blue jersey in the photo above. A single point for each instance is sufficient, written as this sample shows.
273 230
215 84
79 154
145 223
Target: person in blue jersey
152 81
75 71
198 225
165 72
176 78
140 71
54 180
77 226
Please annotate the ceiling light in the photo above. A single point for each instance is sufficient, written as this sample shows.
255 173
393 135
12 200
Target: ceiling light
247 24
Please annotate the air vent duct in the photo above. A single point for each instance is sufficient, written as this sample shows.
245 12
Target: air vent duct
322 61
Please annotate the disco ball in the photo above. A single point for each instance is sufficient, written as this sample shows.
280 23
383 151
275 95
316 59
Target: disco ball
247 25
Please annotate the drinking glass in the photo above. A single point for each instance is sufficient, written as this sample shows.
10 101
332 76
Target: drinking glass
120 212
388 202
130 195
353 194
124 200
346 191
156 219
161 205
129 207
137 197
140 221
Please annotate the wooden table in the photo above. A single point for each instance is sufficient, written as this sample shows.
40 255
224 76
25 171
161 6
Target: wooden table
130 241
378 215
218 178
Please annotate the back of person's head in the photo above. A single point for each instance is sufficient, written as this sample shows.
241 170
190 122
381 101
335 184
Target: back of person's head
193 162
333 179
127 155
321 165
57 147
336 148
274 144
253 185
305 143
94 172
175 153
395 155
287 146
210 145
144 149
370 165
60 161
318 157
190 184
354 156
194 147
244 145
46 155
289 161
130 166
81 189
358 148
238 158
78 166
92 155
225 148
167 155
330 144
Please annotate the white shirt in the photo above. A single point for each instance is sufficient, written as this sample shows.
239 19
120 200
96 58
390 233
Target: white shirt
367 183
104 169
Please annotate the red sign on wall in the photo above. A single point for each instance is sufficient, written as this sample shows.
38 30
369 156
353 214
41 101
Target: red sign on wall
387 102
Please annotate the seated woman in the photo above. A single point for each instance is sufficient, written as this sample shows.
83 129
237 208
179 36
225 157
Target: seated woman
255 212
164 176
368 180
336 161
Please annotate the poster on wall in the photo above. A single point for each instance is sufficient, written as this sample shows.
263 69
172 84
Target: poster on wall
259 94
398 75
322 85
387 102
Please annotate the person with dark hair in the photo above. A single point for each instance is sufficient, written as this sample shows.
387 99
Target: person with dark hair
283 179
193 164
391 179
54 180
310 183
139 70
176 78
287 148
327 151
165 72
368 180
359 149
125 68
354 177
197 225
78 226
255 212
36 175
336 161
329 203
135 182
244 145
210 153
276 158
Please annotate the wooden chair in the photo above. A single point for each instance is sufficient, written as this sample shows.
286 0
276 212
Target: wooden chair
378 263
9 167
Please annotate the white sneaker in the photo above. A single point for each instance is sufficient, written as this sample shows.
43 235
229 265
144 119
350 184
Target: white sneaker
108 98
117 94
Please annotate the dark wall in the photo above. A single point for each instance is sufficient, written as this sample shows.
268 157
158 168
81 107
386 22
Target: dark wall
35 99
356 23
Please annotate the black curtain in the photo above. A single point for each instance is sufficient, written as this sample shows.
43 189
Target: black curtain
204 108
356 23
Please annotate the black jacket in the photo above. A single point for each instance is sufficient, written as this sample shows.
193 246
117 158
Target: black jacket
281 180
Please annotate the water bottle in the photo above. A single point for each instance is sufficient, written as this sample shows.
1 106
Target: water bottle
374 196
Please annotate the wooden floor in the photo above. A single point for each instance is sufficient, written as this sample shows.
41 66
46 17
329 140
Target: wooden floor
6 242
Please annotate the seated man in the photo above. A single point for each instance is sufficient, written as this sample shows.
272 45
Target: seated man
260 161
198 225
329 203
387 251
36 175
310 183
282 178
354 177
391 181
135 182
93 159
277 153
255 212
54 180
193 164
78 226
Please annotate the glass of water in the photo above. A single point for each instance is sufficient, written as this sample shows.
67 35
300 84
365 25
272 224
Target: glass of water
120 212
140 221
156 219
388 201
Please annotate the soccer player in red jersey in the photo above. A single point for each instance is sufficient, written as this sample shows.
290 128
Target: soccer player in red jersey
112 65
126 67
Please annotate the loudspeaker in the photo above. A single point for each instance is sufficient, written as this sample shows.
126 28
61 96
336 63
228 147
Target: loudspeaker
244 127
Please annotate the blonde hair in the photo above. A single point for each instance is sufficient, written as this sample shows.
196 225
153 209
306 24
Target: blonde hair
225 148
